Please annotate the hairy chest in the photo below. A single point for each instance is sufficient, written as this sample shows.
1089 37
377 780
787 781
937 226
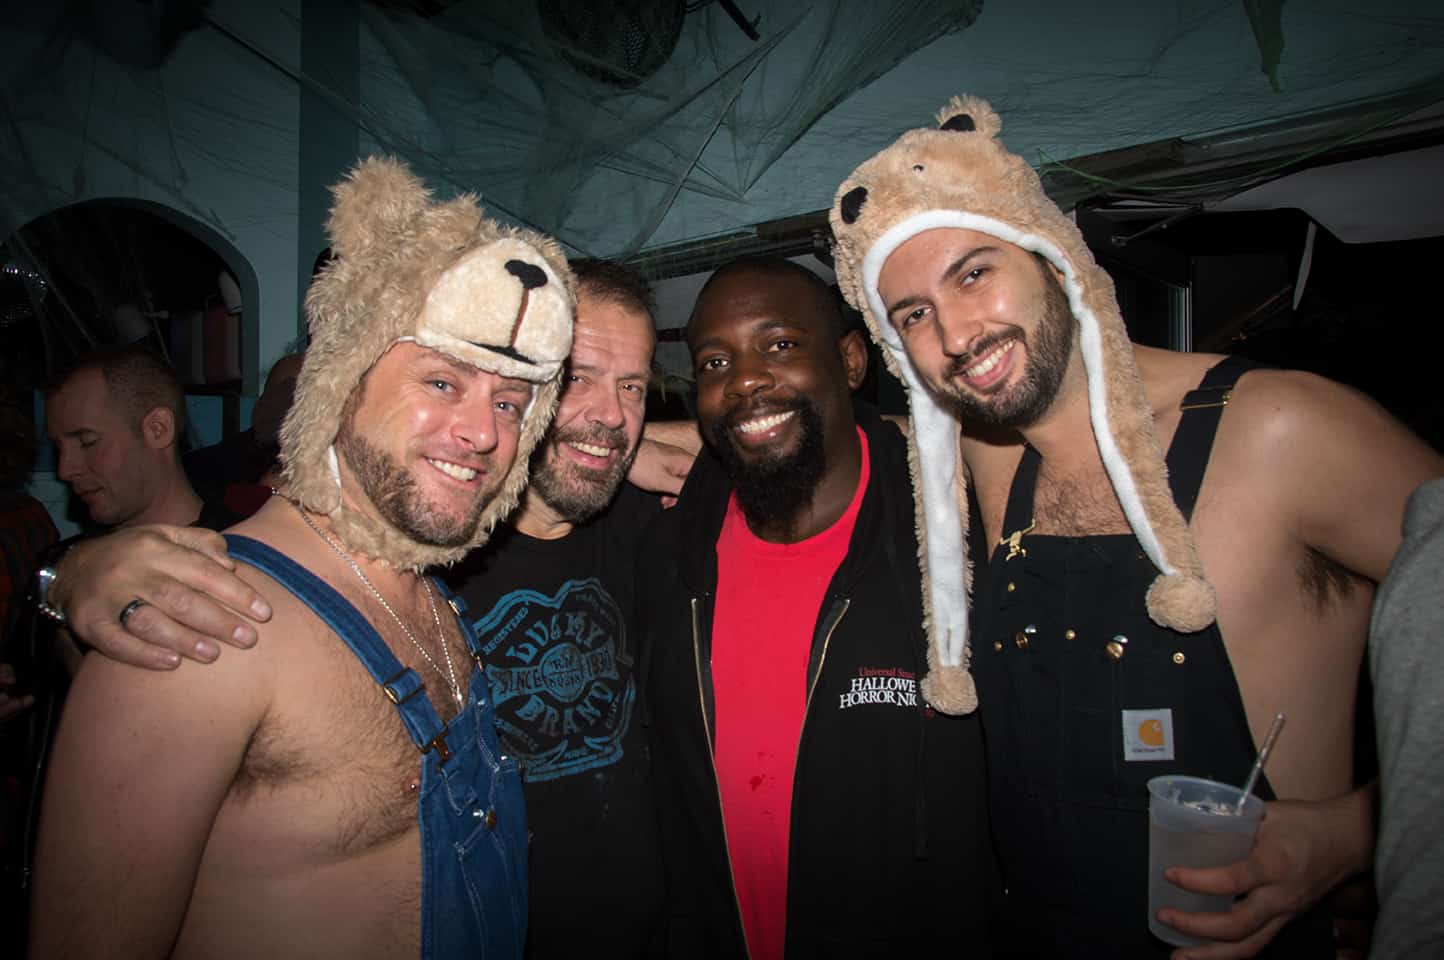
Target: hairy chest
332 758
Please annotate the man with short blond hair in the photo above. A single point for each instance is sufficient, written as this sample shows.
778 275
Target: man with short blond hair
117 418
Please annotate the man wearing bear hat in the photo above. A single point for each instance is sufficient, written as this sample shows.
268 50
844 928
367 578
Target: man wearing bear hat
346 775
1131 620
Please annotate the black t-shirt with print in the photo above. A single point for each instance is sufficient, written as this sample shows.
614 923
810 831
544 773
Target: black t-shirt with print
554 621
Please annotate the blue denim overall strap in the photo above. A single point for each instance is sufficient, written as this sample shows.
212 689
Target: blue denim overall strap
469 806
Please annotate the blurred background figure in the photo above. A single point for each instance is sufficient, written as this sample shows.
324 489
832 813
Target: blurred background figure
239 471
25 532
1409 715
25 526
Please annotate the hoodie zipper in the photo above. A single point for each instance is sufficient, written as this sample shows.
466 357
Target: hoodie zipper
716 783
806 711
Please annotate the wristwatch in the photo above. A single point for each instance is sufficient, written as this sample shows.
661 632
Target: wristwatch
44 577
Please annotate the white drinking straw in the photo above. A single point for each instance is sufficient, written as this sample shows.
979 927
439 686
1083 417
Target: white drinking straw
1263 754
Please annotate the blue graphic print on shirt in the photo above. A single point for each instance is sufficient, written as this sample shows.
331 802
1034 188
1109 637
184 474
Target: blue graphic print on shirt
556 666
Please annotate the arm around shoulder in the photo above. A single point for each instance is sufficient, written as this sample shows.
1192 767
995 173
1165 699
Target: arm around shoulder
141 766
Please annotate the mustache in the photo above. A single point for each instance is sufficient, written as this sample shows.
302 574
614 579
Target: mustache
959 364
595 433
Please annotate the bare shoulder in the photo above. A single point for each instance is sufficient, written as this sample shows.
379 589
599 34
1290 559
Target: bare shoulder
1328 461
1294 417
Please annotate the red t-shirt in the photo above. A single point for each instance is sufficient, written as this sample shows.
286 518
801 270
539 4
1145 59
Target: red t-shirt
769 596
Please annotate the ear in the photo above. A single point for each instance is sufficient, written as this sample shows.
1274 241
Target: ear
854 357
158 428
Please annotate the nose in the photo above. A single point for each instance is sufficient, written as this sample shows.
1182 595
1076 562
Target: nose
68 464
606 409
958 330
476 424
530 275
749 376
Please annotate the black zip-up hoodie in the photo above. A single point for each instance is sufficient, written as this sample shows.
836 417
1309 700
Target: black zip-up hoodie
889 844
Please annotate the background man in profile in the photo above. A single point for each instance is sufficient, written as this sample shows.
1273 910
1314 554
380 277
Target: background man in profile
811 800
116 418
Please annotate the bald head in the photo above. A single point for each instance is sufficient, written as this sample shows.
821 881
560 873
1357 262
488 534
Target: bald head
826 303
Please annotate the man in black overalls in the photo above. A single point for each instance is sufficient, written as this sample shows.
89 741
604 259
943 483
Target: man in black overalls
1102 656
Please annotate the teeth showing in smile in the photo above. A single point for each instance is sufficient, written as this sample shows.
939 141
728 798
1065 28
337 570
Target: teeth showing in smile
762 424
990 361
590 449
453 470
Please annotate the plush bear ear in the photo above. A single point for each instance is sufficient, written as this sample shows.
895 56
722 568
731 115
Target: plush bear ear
968 114
851 204
377 200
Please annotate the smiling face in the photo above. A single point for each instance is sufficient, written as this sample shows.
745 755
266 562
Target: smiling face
584 457
983 321
100 452
428 440
774 383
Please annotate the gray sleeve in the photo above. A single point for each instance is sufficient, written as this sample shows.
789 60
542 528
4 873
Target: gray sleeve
1406 641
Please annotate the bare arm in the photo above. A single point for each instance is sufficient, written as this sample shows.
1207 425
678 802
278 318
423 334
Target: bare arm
677 433
665 457
194 599
141 766
1337 470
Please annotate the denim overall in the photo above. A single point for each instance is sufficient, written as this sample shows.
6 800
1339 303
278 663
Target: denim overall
1065 654
473 823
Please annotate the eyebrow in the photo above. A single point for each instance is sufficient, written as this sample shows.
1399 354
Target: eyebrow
953 269
597 368
760 327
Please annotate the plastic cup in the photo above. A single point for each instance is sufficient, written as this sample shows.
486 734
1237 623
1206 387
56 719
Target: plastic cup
1194 822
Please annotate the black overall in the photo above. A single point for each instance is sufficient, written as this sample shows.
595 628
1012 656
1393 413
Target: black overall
1063 647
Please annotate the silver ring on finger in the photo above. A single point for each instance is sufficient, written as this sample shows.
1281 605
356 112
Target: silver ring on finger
130 608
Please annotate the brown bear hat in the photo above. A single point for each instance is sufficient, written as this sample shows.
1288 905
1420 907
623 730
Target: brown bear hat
445 277
959 175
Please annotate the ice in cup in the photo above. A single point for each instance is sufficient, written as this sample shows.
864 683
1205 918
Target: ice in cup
1194 822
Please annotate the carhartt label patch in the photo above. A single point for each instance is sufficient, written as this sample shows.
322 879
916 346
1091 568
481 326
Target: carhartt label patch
1148 734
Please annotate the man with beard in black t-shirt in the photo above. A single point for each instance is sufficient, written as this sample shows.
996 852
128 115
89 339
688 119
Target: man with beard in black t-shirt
551 600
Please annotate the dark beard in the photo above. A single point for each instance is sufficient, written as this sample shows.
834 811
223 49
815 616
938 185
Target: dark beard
773 492
393 492
1022 404
575 493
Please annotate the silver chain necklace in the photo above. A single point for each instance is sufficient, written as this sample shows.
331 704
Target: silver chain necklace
449 675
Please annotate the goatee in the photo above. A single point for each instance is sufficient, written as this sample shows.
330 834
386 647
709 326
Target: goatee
392 490
574 492
1022 404
773 491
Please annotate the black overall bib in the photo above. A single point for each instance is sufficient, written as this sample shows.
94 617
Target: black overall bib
1064 647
